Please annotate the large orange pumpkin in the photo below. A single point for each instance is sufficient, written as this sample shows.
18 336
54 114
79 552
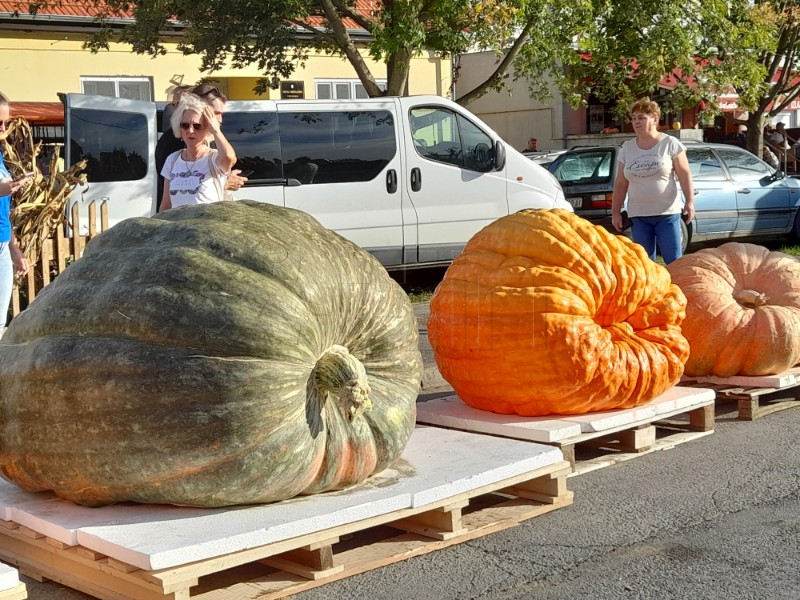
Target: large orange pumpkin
743 312
545 313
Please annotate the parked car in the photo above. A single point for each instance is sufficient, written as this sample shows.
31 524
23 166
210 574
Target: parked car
736 193
544 157
410 179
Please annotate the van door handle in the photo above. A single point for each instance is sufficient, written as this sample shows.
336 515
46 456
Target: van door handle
743 191
416 179
391 181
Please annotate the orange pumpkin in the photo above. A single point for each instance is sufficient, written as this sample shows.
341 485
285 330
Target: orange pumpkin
743 312
545 313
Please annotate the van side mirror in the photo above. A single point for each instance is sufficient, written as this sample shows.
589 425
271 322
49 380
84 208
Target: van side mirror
777 176
499 155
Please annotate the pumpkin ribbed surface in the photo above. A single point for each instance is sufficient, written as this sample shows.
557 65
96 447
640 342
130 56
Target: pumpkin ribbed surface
231 353
743 312
545 313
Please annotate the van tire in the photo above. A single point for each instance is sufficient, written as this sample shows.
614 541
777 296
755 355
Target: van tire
795 233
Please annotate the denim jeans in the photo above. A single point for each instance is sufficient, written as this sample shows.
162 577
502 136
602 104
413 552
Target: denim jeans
6 283
661 230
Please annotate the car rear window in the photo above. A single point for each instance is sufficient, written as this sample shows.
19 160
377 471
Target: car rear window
593 167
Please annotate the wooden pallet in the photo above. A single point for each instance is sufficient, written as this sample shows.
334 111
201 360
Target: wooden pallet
11 588
594 440
755 397
50 539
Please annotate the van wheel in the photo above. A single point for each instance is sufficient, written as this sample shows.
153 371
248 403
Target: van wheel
686 235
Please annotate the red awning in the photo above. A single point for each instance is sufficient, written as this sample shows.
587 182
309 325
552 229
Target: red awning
39 113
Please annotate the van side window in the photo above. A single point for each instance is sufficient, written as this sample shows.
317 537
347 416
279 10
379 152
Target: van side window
336 147
93 132
254 136
444 136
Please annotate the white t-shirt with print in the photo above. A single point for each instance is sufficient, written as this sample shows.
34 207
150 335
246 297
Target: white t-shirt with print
652 184
192 182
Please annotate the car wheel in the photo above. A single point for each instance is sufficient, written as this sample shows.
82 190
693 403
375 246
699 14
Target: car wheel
795 235
686 235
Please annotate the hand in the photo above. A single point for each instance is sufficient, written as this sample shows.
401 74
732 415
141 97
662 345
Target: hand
8 186
18 260
688 213
616 221
235 180
211 121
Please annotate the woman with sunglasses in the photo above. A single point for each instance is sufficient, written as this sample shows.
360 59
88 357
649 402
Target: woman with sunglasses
196 174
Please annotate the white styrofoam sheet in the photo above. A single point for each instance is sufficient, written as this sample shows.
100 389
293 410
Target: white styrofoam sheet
437 464
9 577
452 412
784 379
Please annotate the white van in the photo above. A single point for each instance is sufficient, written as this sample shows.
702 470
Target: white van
409 179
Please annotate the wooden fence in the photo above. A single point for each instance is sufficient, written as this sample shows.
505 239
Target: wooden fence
58 252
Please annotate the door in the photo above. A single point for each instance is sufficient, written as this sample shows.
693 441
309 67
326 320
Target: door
715 193
116 138
450 180
763 201
342 165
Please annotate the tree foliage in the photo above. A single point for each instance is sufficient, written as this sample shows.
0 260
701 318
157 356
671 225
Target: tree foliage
615 49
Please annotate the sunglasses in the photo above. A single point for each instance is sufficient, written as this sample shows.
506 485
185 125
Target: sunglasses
197 126
214 91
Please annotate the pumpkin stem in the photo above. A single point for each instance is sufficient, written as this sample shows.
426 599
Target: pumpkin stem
342 375
750 298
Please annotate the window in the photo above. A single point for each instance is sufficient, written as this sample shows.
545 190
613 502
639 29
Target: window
585 167
93 132
743 164
132 88
704 165
336 147
343 89
445 136
254 136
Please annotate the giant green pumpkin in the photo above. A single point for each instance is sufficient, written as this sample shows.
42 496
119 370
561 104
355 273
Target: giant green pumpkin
231 353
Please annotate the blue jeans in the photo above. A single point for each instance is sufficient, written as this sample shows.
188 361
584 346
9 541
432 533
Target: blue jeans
6 283
664 230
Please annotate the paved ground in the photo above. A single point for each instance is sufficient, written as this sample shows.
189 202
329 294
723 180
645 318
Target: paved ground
715 518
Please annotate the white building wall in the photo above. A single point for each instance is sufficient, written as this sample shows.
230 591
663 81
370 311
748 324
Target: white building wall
515 116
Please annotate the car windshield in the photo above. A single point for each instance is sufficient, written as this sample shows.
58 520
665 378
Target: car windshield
584 167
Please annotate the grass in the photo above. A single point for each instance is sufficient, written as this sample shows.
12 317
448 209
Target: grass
418 296
793 250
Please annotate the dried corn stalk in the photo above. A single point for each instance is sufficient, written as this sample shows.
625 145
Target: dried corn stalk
39 208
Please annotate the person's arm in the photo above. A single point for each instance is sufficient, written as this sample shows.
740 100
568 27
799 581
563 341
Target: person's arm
680 163
226 155
166 200
9 186
17 257
618 197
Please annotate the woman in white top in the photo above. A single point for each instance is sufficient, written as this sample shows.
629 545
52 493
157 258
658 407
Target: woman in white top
649 167
196 174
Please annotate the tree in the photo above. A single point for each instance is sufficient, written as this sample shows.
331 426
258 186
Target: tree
756 50
705 46
278 35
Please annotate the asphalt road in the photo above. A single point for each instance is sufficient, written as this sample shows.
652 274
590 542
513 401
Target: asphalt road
714 518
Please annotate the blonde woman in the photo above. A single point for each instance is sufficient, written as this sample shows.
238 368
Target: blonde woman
649 166
197 173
